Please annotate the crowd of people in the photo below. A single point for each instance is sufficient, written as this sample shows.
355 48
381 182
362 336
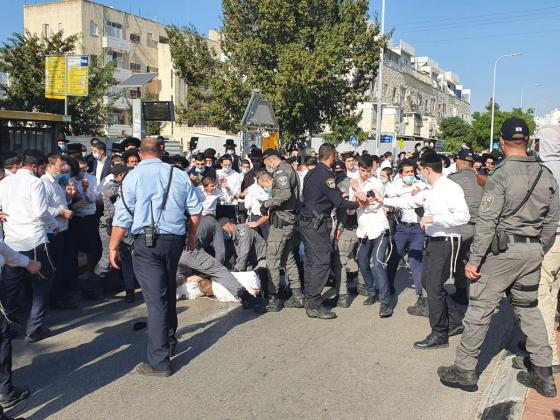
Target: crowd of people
300 220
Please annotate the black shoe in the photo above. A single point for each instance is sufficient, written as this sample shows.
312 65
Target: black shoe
248 301
521 362
461 297
64 305
432 342
296 300
39 335
392 290
385 311
129 298
146 370
274 304
15 396
540 379
321 312
370 300
455 330
90 294
344 301
420 308
361 289
353 291
455 377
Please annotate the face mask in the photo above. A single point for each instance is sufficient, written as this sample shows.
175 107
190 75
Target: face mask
244 170
208 165
384 181
58 177
267 190
199 170
423 178
230 152
84 154
270 170
95 155
409 180
227 170
62 148
227 236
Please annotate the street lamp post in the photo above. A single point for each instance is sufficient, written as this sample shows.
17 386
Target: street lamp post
494 96
380 83
523 92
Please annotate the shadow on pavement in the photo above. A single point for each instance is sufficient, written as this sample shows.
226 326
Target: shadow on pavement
60 378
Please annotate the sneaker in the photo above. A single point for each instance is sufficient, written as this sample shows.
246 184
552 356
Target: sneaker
38 335
370 300
321 313
15 396
344 301
146 370
385 311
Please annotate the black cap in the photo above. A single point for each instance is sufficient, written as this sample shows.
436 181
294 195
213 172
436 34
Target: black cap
515 129
210 153
466 154
131 141
74 147
117 147
339 166
270 152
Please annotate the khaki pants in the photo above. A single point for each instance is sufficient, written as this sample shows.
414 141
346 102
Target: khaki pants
548 294
347 247
516 270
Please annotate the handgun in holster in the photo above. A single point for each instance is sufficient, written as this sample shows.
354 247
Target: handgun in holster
318 220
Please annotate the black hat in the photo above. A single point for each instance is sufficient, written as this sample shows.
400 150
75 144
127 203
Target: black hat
131 141
74 147
210 153
270 152
515 129
339 166
61 137
230 143
466 154
117 147
193 142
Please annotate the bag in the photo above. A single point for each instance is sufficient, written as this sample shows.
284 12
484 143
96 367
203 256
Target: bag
500 240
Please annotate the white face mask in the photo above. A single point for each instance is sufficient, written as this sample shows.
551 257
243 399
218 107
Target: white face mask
244 170
226 170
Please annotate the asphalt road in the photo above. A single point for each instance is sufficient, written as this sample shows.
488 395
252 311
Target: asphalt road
234 364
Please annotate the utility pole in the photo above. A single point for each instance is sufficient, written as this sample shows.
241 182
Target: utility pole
380 83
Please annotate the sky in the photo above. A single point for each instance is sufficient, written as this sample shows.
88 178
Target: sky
465 37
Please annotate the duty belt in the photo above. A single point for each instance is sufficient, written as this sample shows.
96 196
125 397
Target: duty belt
409 224
519 239
440 238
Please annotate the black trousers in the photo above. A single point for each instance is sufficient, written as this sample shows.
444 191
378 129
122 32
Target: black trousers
5 352
317 259
435 273
156 271
58 248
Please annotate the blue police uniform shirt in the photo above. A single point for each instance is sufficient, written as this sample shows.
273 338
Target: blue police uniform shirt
147 184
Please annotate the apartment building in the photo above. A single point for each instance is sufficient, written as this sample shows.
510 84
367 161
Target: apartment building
416 95
106 34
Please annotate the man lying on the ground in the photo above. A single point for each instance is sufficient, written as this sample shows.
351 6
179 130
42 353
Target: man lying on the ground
202 285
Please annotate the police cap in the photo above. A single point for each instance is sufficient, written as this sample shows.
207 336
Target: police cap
466 154
269 153
515 129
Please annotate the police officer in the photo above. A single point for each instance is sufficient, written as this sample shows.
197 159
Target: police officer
517 219
250 247
154 204
282 206
320 196
466 178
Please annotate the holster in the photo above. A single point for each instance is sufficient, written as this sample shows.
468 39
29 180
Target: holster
499 242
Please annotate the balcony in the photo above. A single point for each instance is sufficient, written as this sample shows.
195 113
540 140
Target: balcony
121 103
120 74
116 44
119 130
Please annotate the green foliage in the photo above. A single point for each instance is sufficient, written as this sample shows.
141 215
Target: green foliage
454 131
23 58
313 59
345 127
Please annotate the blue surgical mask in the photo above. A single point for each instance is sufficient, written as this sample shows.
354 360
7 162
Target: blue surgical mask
409 180
95 155
230 152
62 148
199 170
270 170
209 165
58 177
267 190
227 236
84 154
226 170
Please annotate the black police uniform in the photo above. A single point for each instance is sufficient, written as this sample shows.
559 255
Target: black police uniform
320 196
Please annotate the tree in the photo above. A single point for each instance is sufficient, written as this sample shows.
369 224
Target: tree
345 127
314 60
454 131
23 58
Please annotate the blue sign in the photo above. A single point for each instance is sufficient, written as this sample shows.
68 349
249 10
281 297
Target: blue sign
386 138
84 61
353 140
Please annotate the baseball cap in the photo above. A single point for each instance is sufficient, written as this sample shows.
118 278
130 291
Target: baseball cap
339 166
514 129
270 152
466 154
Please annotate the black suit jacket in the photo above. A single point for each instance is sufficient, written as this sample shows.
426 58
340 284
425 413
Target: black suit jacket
106 168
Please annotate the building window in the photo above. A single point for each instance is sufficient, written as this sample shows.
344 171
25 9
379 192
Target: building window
115 56
151 69
135 67
135 38
93 29
395 98
46 30
150 40
113 29
163 40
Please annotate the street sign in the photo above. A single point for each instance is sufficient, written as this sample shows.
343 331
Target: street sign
55 77
78 75
386 138
401 143
353 140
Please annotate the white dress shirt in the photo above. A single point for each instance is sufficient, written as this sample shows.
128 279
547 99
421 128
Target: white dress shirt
24 199
10 257
99 170
233 180
399 189
372 220
354 173
445 202
56 196
209 201
90 196
254 198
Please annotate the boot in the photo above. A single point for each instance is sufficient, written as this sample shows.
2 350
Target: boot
455 377
249 301
321 313
344 301
540 379
420 308
296 300
274 304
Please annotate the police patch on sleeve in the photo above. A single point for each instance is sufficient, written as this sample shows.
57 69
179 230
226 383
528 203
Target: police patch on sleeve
331 183
487 201
283 181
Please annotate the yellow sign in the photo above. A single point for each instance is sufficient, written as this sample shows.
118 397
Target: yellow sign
66 76
270 141
78 75
55 77
401 143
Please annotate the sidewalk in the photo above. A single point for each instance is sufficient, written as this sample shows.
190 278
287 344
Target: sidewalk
541 408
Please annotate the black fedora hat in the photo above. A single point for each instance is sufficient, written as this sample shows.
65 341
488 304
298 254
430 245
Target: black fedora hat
230 143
